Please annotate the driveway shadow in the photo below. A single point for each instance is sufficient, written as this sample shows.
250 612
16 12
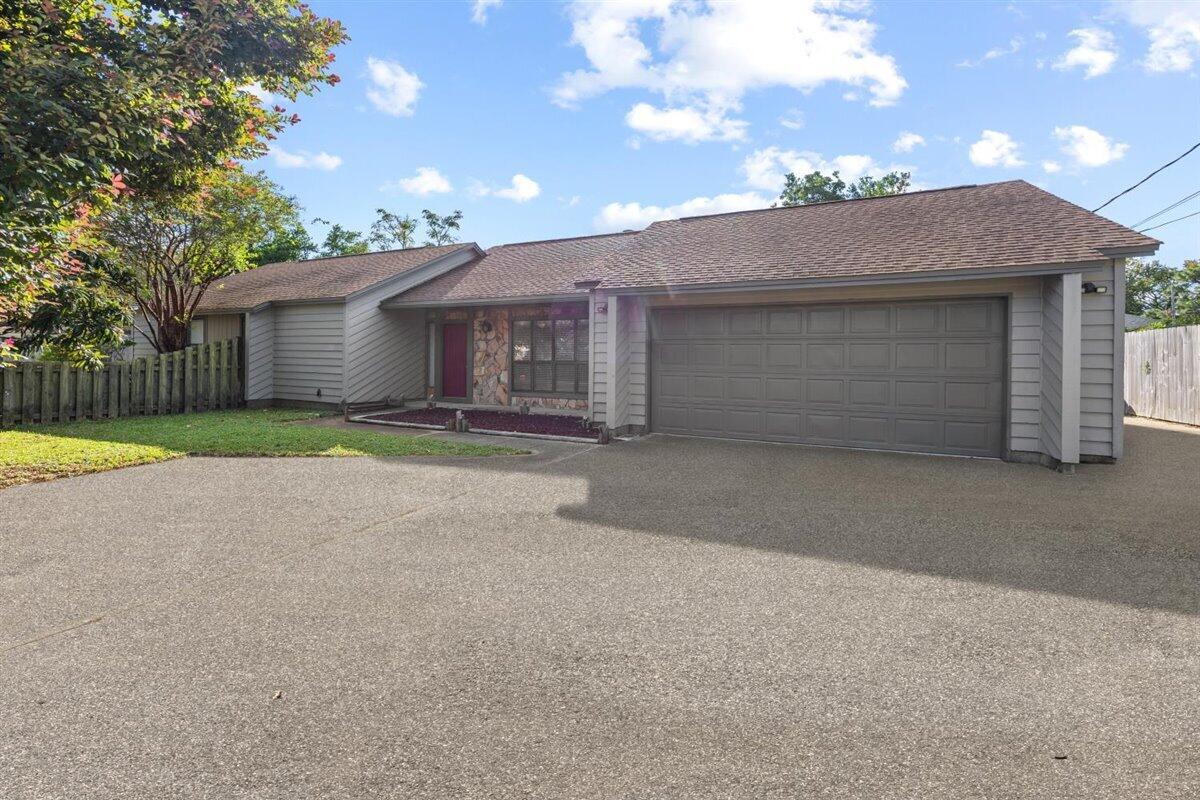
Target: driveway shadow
1127 533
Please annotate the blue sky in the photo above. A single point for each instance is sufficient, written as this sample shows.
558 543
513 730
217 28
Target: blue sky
543 120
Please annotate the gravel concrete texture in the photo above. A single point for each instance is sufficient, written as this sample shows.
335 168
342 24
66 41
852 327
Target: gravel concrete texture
661 618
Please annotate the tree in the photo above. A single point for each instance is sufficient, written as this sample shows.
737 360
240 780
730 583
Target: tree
173 248
391 231
287 239
441 230
1168 296
102 98
816 187
79 320
341 241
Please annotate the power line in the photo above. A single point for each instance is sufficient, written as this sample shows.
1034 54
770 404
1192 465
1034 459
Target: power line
1165 224
1171 207
1143 180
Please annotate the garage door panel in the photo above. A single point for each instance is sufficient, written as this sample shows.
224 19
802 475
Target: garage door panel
826 355
923 356
784 390
826 320
785 321
707 354
707 387
826 390
870 393
924 376
745 354
871 320
870 355
869 430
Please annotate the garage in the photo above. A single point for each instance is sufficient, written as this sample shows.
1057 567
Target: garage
920 376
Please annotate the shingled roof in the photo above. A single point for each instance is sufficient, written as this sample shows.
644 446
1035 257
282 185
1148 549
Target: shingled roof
988 227
992 226
528 269
316 279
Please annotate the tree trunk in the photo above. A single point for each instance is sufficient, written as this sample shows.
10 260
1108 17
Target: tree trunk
172 336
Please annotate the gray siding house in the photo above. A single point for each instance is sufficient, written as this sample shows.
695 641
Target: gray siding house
976 320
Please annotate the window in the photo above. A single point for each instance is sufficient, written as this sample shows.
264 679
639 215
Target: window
550 356
196 333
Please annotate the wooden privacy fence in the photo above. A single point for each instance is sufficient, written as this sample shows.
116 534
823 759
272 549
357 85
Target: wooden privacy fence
200 378
1162 373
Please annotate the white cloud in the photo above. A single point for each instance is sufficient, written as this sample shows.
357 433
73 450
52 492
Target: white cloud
427 180
256 89
521 189
1014 45
480 9
705 57
793 120
689 125
395 89
765 169
1095 51
302 159
1051 166
1089 148
995 149
906 141
623 216
1174 30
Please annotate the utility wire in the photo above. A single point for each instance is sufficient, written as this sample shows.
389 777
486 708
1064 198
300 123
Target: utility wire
1171 207
1143 180
1165 224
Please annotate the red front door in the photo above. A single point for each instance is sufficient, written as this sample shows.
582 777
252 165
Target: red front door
454 359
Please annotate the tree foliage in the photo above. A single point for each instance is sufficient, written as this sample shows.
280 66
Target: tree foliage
103 98
172 248
391 231
816 187
1168 296
441 230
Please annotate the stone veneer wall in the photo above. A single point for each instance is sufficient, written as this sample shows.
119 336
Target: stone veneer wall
491 360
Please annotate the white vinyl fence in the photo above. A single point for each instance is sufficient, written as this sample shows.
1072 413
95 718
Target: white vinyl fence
1162 373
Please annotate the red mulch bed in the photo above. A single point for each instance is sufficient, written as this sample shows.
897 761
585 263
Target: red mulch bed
547 424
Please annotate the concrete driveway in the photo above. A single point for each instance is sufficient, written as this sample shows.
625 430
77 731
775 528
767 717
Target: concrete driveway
666 618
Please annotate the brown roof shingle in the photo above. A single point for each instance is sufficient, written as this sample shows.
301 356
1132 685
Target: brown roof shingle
316 279
990 226
527 269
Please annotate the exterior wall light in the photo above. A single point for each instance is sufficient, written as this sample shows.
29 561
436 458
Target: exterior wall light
1091 288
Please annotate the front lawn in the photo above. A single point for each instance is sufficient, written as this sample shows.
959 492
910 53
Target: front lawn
45 452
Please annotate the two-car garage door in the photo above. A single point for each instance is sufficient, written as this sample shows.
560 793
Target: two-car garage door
920 376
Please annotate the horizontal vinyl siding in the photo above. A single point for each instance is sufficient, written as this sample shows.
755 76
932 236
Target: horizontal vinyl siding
309 352
385 350
634 318
1096 374
599 365
260 355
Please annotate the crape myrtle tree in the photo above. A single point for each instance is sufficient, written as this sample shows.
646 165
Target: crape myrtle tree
104 99
169 249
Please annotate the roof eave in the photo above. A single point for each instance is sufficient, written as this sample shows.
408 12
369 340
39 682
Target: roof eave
928 276
579 297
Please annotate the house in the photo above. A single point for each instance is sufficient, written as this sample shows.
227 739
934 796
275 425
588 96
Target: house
976 320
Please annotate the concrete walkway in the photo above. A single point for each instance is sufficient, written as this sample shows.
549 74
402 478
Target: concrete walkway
660 618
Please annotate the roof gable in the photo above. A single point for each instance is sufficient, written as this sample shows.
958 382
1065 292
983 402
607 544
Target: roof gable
320 278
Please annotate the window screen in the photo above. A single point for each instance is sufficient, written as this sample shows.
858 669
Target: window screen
550 356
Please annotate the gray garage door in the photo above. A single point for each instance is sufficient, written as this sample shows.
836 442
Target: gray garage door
920 376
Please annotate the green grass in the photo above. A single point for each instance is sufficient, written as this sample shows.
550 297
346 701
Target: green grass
45 452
